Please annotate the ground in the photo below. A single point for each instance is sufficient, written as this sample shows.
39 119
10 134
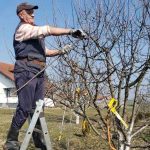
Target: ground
71 138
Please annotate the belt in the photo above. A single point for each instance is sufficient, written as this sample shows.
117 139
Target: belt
34 61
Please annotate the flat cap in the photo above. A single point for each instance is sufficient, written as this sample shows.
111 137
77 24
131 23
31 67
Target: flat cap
25 6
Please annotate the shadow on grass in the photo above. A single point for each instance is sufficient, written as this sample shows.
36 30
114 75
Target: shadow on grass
79 135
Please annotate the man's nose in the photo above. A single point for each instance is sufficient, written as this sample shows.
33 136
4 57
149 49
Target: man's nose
32 15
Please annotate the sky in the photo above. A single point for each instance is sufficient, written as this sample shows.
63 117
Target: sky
44 15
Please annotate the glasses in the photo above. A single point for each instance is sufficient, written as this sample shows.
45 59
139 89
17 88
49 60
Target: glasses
30 12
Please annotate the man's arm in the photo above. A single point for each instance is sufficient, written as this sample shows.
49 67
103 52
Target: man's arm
28 31
50 53
60 31
66 49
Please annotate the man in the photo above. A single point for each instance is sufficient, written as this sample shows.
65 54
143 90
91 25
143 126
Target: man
31 53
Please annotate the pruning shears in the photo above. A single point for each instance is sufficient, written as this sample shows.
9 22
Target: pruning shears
112 106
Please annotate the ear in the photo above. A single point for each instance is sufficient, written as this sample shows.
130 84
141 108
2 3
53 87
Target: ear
21 15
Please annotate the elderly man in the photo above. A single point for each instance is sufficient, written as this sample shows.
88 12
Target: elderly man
31 53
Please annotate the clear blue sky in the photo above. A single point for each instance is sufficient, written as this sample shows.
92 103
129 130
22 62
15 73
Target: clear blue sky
44 15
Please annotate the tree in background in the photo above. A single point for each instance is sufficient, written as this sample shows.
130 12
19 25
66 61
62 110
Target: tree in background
113 61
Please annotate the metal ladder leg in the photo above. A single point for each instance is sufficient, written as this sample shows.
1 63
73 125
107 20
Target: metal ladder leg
37 114
45 131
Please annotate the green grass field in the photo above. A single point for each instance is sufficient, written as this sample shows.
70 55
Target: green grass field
72 137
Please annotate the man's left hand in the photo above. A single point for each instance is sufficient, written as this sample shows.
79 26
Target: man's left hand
67 48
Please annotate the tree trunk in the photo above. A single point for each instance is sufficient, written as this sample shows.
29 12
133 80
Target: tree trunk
77 119
128 142
124 141
121 138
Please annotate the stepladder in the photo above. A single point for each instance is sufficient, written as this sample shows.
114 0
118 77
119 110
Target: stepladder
38 114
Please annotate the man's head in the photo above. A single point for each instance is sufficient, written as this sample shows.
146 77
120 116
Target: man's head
25 12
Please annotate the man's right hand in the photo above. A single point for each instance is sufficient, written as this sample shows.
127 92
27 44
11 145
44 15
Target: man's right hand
78 34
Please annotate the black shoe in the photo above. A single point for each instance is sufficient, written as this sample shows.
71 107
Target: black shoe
12 140
11 145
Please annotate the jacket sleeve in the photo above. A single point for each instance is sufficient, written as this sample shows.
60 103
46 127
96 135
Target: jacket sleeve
27 31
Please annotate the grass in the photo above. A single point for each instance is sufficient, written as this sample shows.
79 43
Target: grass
72 137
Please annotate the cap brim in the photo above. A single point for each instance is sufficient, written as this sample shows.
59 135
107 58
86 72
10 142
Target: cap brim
32 7
35 7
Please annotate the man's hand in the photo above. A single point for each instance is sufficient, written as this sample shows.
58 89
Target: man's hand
78 34
67 48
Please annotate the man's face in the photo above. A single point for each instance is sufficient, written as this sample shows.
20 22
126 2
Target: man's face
27 16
